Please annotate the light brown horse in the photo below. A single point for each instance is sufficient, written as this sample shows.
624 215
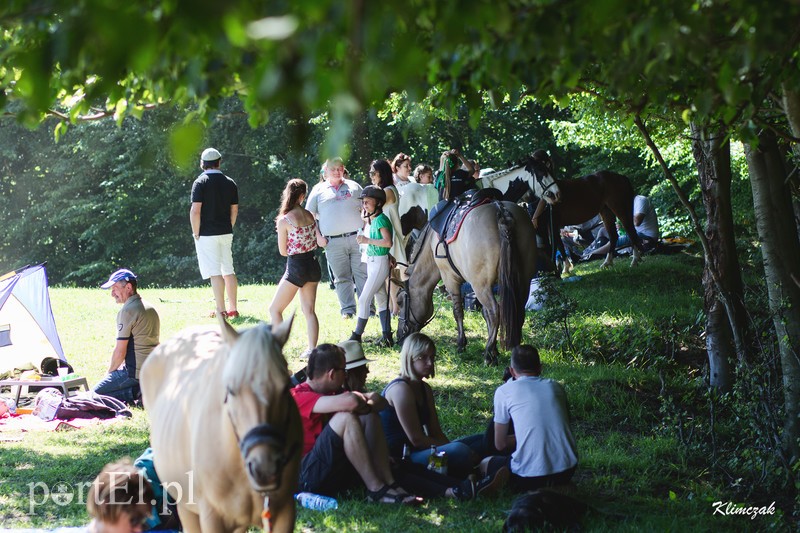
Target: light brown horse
224 429
494 247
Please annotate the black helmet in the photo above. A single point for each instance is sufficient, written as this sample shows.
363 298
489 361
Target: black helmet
372 191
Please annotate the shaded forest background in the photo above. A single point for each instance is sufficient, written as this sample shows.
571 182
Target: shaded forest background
106 196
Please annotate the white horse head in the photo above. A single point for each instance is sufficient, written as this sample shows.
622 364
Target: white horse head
540 166
535 173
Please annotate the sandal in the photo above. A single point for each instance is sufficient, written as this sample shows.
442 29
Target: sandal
381 496
232 314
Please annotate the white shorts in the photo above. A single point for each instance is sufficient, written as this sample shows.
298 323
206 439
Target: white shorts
214 255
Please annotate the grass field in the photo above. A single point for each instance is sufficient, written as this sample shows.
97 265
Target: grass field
632 470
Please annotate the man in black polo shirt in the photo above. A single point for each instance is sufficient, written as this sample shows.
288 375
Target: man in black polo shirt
215 206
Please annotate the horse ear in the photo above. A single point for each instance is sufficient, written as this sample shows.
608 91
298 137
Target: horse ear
281 333
229 334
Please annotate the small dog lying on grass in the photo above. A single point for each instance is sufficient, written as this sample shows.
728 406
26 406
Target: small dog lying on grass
531 511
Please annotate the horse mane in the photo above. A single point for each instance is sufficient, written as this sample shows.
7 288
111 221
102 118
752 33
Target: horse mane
415 250
256 360
501 173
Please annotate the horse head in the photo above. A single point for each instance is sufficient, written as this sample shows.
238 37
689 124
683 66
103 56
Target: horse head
258 403
406 323
545 186
416 307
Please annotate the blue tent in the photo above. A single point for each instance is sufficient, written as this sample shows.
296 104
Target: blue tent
28 334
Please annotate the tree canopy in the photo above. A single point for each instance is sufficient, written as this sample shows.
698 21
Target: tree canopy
696 59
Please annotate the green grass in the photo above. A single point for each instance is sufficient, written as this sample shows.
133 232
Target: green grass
632 469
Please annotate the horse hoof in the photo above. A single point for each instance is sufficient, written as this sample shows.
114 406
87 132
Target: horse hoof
490 361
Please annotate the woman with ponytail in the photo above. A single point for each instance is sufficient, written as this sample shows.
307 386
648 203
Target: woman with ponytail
297 240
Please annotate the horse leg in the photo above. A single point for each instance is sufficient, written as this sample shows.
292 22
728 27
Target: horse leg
623 209
458 314
209 519
609 223
190 522
637 258
491 314
283 516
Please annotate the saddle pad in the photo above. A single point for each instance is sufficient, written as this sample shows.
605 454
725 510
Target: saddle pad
457 218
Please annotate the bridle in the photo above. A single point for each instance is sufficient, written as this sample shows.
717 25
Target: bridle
263 433
539 179
407 315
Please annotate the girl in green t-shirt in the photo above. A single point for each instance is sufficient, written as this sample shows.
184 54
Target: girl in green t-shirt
378 244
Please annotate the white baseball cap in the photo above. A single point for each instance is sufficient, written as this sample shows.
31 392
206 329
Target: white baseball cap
210 154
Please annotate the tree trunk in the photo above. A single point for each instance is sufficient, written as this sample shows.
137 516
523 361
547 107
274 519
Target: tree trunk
791 107
711 151
781 252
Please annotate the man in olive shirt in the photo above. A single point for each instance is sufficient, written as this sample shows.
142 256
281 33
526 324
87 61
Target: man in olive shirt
138 328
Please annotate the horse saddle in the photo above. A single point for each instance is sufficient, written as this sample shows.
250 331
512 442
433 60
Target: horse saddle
447 216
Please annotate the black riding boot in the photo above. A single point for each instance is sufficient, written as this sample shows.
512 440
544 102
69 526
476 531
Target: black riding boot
386 326
361 325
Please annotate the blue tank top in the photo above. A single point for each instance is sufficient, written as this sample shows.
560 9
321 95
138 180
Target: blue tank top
396 436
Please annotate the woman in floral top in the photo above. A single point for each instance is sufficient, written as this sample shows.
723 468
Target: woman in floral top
297 241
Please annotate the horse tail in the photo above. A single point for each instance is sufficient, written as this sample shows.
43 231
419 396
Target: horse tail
512 311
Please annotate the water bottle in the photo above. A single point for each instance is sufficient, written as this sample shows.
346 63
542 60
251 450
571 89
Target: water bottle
316 502
442 463
432 459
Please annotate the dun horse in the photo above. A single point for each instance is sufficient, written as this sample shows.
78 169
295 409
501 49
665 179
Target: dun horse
493 247
574 201
225 432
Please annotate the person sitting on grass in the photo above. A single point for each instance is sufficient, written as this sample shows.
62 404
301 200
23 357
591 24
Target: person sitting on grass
119 500
343 438
411 418
137 328
415 477
544 451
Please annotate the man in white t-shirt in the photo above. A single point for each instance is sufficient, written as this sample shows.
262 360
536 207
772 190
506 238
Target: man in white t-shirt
335 203
544 451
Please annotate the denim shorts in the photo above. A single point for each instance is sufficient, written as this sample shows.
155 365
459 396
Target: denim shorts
302 268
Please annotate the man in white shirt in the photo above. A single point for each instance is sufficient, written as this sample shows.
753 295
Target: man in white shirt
336 204
544 450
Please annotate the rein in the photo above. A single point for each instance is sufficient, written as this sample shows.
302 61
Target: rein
408 313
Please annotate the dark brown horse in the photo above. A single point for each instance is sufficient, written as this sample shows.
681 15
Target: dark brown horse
492 248
575 201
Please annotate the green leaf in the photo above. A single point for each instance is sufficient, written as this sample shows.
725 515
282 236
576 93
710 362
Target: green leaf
185 141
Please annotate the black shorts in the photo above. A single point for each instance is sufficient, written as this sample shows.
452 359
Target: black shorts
326 469
302 268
